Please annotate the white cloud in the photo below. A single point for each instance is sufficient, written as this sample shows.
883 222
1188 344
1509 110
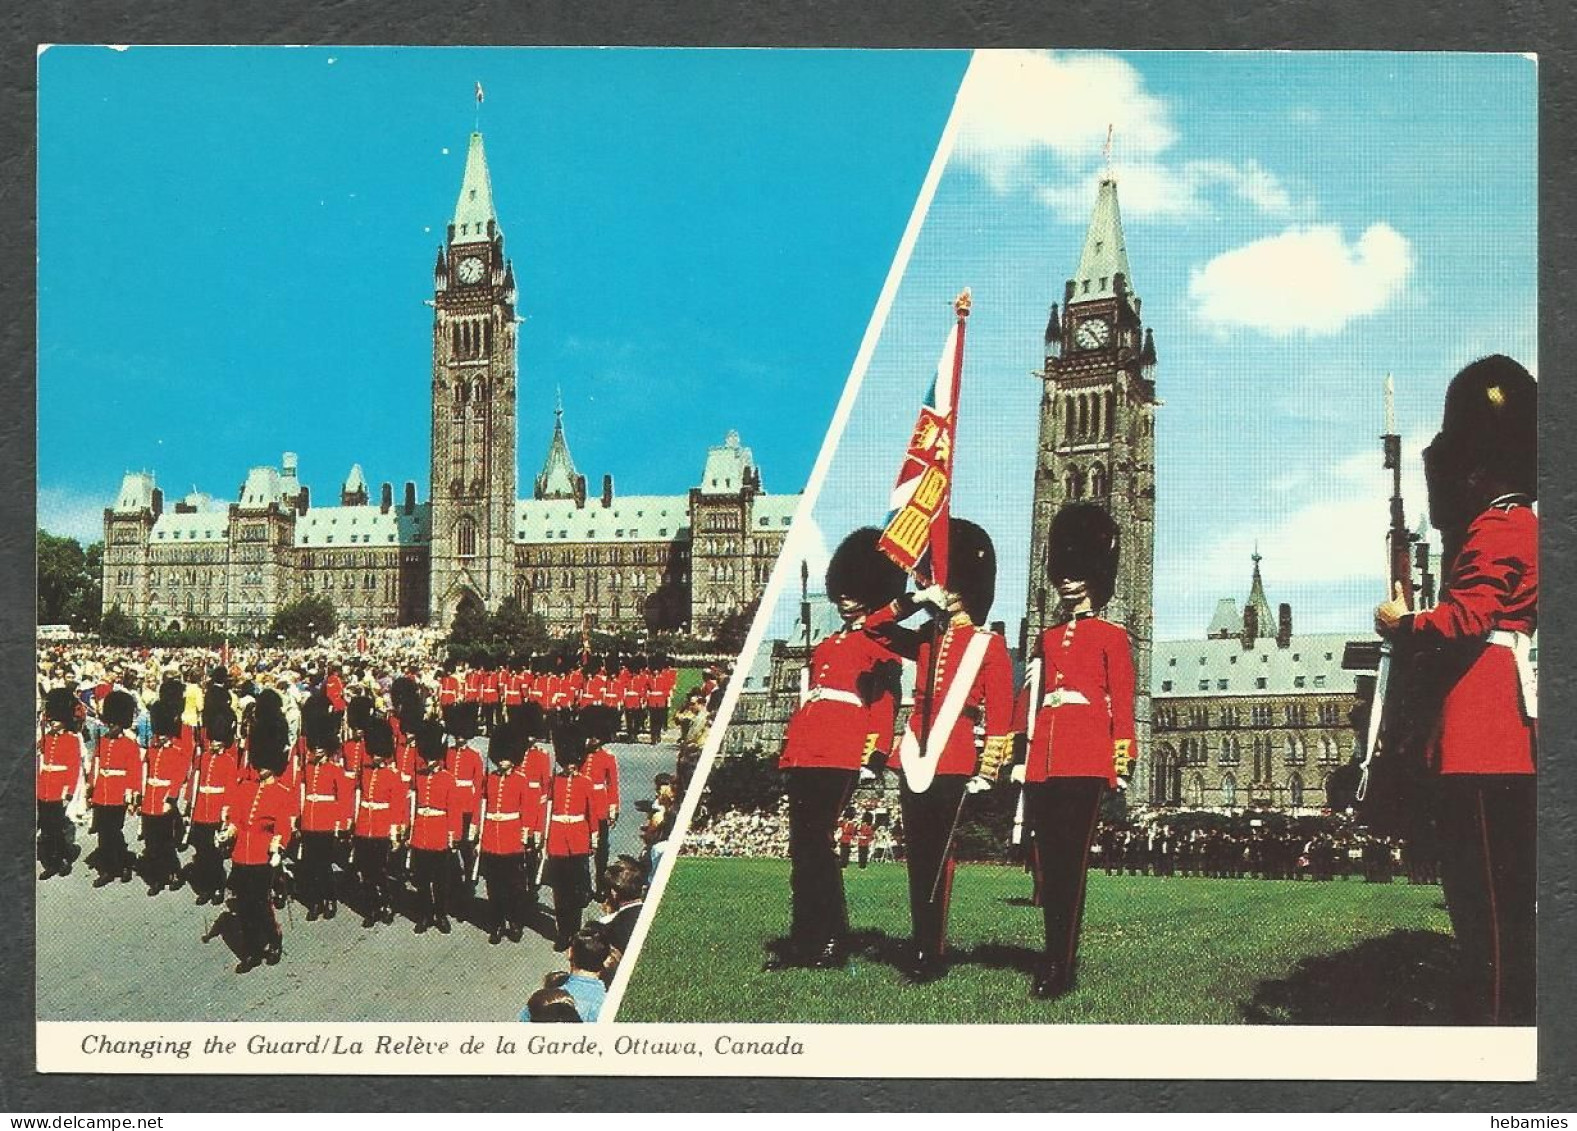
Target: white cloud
1017 107
1308 280
64 512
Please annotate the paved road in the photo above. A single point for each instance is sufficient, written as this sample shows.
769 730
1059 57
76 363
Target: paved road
117 954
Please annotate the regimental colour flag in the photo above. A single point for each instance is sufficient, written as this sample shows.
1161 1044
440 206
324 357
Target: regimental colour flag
915 534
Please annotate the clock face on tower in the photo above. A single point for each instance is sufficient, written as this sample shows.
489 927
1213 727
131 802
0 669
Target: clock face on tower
470 269
1093 333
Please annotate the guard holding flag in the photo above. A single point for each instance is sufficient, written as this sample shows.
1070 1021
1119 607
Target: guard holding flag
1078 715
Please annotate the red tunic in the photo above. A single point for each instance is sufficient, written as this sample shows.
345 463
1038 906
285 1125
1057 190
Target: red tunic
436 822
557 694
464 762
595 688
59 765
989 698
851 706
448 691
511 688
117 771
327 794
169 766
507 800
490 687
536 770
613 692
334 688
1493 588
217 773
569 833
473 686
383 805
261 811
1086 701
661 691
635 690
602 768
354 752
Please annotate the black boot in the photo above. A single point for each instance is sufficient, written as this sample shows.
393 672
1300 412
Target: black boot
925 967
1051 982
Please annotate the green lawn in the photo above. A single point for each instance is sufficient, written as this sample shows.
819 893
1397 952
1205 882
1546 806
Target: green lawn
1154 951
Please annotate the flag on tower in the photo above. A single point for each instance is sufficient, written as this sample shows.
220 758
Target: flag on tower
479 94
915 534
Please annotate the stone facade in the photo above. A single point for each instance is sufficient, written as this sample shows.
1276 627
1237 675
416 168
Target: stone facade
1097 436
636 563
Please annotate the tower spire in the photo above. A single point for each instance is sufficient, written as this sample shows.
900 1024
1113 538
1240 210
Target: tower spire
474 219
1256 595
1105 254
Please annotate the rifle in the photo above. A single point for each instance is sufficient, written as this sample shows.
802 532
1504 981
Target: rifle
193 792
481 824
547 827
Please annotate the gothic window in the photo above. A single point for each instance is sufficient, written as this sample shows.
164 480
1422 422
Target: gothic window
1098 484
1196 790
1073 484
465 538
1067 417
1229 791
1295 791
1084 416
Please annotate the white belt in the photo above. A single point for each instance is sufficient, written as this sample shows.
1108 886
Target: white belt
1521 646
374 804
599 786
157 781
53 766
210 789
429 811
568 820
321 797
112 773
834 695
503 816
465 781
1062 696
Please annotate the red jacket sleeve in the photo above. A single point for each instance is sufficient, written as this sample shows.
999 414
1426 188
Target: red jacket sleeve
1120 688
996 686
1486 579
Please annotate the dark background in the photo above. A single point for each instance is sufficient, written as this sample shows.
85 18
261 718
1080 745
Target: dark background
1506 25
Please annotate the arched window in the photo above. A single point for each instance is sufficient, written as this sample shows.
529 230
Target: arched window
465 538
1110 414
1196 790
1068 421
1084 416
1295 791
1073 484
1098 484
1229 791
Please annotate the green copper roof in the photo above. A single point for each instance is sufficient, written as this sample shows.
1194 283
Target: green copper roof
1265 620
475 207
559 476
1105 253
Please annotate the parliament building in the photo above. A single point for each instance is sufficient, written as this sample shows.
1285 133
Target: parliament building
620 563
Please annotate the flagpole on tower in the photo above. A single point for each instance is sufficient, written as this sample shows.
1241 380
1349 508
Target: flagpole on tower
478 123
1106 151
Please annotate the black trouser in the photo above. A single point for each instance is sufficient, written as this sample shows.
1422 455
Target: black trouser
816 795
468 849
928 820
161 850
432 869
487 716
633 716
315 880
1488 852
208 863
604 826
251 890
570 879
506 888
372 871
54 836
656 722
1063 813
112 856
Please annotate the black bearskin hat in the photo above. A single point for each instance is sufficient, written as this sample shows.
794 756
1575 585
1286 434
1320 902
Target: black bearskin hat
320 723
460 720
357 711
61 706
532 721
429 736
380 737
571 741
268 742
1083 546
219 676
166 719
405 697
268 702
860 571
119 709
971 567
507 743
172 692
219 719
1491 423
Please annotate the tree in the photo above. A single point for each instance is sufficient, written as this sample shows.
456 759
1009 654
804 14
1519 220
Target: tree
513 632
735 627
70 581
471 633
117 627
303 620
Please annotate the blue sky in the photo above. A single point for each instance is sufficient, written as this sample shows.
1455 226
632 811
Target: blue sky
1298 225
235 246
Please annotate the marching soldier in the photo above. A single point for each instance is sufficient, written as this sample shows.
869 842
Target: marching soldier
380 811
217 770
262 817
327 800
169 768
964 678
571 834
435 828
635 689
1080 721
602 769
507 798
114 783
464 762
1476 646
658 696
846 715
536 768
59 773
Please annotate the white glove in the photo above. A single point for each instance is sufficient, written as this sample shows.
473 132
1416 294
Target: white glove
867 775
976 784
1016 774
933 595
274 858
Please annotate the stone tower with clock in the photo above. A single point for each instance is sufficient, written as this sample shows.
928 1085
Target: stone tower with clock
474 405
1097 436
